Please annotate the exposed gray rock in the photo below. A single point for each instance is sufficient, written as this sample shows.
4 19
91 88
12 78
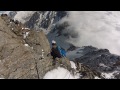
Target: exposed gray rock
21 57
45 19
39 42
16 59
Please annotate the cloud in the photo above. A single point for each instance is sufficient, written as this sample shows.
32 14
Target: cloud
97 28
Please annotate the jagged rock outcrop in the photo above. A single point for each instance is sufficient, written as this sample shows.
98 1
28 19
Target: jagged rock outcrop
39 42
17 60
48 21
45 19
86 72
96 57
21 56
100 60
24 53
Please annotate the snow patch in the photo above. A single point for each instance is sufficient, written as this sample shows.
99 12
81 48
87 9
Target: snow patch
102 65
60 73
25 35
26 28
97 77
42 54
26 45
73 65
108 75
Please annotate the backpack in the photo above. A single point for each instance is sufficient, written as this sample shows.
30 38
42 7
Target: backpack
62 51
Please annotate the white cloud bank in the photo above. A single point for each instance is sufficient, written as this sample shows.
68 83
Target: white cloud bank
97 28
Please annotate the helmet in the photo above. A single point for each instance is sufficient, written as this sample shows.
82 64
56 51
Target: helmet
53 42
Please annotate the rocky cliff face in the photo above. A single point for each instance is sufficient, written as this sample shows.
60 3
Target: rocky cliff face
47 21
38 19
24 53
100 60
20 56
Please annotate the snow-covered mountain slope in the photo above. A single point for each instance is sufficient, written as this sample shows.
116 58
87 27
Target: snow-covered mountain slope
23 16
48 21
38 19
100 60
77 52
45 19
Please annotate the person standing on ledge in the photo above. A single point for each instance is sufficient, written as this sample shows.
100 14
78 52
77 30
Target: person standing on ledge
57 51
